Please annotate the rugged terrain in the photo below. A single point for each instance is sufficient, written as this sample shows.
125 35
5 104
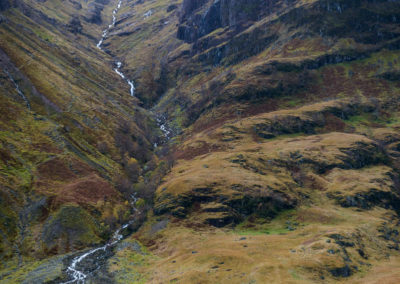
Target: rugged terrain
262 141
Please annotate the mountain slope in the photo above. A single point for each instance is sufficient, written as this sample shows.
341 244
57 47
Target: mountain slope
281 120
71 135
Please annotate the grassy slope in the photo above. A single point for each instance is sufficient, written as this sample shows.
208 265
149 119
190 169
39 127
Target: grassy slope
62 153
230 114
313 242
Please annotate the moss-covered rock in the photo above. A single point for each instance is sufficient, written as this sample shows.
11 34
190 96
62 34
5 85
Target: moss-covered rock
70 227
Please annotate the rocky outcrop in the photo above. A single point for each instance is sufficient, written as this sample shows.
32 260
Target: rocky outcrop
200 19
93 14
304 119
364 188
76 4
4 5
74 25
70 227
263 180
199 24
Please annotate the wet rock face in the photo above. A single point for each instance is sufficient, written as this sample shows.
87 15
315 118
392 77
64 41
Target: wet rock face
362 20
199 18
4 5
70 227
344 271
75 26
103 2
188 6
198 24
93 14
235 12
171 8
76 4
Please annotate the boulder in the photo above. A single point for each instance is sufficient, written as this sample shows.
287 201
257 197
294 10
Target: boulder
4 5
75 26
93 14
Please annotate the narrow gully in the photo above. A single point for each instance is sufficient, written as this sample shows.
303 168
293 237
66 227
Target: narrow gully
18 89
118 63
77 271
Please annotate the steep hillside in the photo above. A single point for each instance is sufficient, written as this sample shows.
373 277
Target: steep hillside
261 143
72 138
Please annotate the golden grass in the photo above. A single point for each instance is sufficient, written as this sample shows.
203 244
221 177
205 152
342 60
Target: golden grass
222 256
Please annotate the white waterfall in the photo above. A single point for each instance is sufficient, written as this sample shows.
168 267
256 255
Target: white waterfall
117 70
119 64
110 26
18 89
78 276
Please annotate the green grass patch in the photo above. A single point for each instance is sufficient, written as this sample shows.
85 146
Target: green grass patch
254 232
127 263
280 225
294 274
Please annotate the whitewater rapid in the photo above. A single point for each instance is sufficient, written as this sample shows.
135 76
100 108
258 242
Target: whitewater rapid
77 274
117 70
110 26
161 121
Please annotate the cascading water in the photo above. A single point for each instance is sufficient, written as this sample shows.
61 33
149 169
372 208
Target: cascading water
118 63
161 121
167 132
20 93
117 70
110 26
77 272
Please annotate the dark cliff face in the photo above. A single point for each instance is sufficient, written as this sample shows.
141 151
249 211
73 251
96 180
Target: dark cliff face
289 115
4 4
57 31
367 22
93 14
198 18
226 33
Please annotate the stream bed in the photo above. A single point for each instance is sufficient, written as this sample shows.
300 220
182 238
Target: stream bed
83 266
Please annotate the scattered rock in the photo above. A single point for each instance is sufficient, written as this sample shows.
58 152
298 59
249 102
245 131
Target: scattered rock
71 226
93 14
171 7
74 25
155 228
290 228
50 270
2 18
76 4
4 5
344 271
